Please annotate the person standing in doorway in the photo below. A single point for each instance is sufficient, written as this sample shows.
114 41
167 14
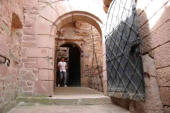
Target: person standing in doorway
62 72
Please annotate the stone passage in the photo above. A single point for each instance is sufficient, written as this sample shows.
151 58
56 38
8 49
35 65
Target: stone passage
68 100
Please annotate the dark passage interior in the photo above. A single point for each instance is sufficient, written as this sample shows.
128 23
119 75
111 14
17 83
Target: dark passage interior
73 65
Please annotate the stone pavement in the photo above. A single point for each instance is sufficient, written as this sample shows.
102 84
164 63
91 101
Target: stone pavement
68 100
68 109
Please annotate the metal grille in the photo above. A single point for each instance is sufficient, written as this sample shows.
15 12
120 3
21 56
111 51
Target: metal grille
123 54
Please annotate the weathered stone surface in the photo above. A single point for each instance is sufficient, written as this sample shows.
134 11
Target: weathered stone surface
28 60
164 76
150 9
45 74
43 26
30 65
29 38
36 52
152 96
45 41
159 18
45 63
49 13
156 38
149 65
161 35
43 88
29 44
11 15
166 109
165 95
29 31
29 20
162 55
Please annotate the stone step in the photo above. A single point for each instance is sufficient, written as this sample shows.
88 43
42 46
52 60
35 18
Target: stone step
98 100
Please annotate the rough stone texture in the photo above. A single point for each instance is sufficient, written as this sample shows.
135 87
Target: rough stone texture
166 109
164 76
69 109
38 43
149 65
165 91
162 56
153 102
154 30
11 16
69 100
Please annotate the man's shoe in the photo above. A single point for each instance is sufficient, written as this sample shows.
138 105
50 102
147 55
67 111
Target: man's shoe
58 85
65 85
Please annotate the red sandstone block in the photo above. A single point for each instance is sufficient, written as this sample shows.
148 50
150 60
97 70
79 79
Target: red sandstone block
151 10
161 35
43 26
36 52
162 16
23 83
28 60
45 41
164 76
27 89
51 53
29 44
154 6
29 38
45 74
144 31
4 70
29 20
165 95
49 13
146 44
29 31
142 19
166 109
43 63
156 38
29 83
30 3
44 88
162 55
30 65
155 23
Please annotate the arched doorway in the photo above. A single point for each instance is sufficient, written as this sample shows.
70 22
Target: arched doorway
67 31
74 73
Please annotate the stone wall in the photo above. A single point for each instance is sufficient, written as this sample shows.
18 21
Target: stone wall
36 71
11 17
36 75
154 30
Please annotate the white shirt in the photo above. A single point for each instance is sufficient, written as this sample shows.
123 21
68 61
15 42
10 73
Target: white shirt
62 66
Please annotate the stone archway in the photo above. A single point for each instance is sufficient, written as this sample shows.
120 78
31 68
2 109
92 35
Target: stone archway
77 16
94 21
91 20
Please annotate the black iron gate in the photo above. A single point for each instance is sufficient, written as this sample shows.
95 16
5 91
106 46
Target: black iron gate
123 54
